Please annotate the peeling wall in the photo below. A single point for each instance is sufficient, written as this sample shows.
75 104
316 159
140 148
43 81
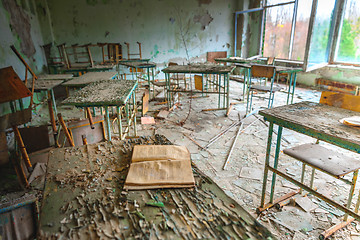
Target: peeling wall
20 28
160 25
346 74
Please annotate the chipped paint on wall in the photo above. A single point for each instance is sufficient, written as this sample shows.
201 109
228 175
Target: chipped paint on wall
151 22
204 2
204 19
345 74
20 24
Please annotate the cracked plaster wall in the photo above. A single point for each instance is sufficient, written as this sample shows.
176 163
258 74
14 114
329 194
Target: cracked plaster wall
207 26
19 26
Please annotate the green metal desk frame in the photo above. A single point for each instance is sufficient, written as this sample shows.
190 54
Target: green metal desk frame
216 77
292 72
127 105
142 64
312 130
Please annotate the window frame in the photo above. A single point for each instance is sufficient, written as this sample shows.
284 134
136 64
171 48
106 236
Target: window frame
262 34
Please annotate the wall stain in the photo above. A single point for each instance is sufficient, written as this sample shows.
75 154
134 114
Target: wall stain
20 23
204 2
91 2
204 19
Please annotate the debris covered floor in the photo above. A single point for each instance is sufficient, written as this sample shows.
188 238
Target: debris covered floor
304 218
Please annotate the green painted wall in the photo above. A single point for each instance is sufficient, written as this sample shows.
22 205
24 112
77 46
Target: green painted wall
206 25
346 74
19 26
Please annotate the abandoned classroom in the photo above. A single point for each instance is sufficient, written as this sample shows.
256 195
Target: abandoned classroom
193 119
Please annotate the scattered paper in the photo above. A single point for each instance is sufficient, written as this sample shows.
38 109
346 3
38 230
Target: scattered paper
147 120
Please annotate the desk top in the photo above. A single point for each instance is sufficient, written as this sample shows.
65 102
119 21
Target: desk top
278 69
138 64
55 76
42 84
83 198
134 60
317 120
199 68
107 66
103 93
89 77
86 67
233 60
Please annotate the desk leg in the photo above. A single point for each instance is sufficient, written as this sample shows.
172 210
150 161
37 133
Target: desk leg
276 160
118 109
167 94
248 91
293 89
53 101
290 87
227 76
148 78
134 112
267 161
224 93
244 85
107 119
352 189
153 79
219 95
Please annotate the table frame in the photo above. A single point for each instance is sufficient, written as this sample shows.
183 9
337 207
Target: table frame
218 81
284 123
134 66
128 108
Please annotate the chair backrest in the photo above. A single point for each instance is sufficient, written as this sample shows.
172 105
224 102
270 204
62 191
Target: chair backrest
262 71
270 61
172 64
341 100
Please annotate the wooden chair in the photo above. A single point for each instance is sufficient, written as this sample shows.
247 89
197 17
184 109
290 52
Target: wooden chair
262 71
328 161
133 56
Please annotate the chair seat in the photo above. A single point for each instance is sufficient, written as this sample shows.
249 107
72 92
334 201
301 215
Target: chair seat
265 88
324 159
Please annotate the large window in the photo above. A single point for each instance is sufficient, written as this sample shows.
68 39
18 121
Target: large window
349 46
284 28
317 32
334 33
278 24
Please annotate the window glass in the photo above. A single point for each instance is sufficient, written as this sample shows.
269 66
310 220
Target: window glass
319 49
278 30
349 45
301 29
